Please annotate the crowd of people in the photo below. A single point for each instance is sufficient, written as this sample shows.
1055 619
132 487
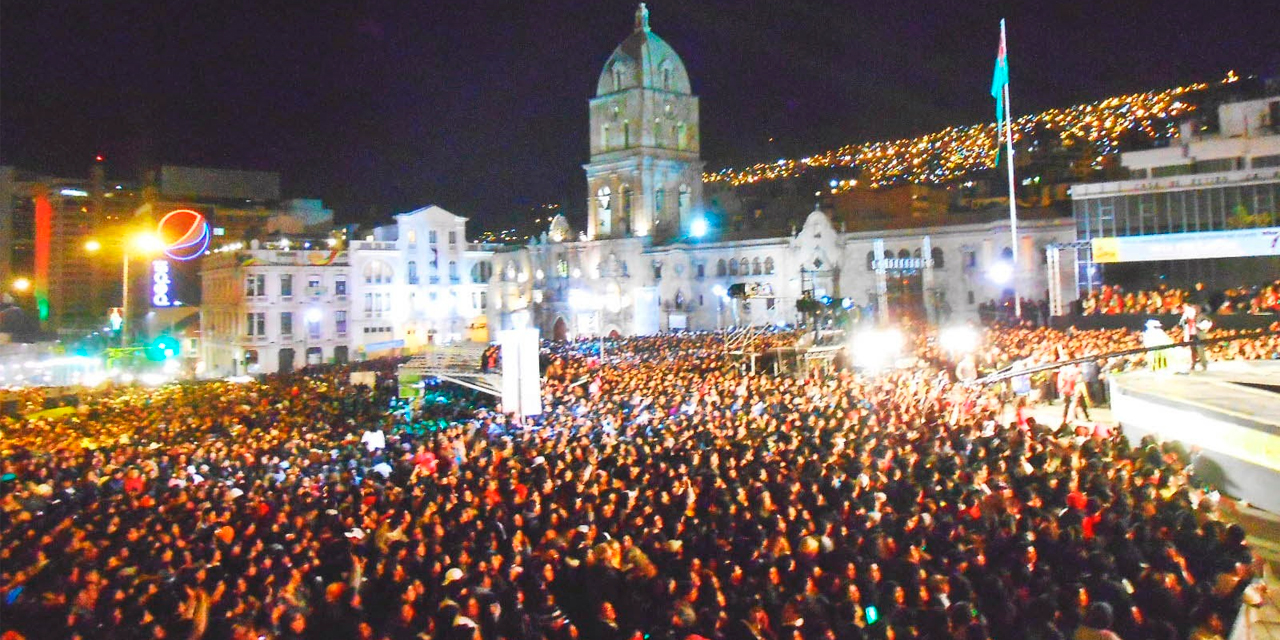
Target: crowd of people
1114 300
668 491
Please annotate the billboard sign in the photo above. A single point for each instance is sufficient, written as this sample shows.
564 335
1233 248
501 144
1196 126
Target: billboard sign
1235 243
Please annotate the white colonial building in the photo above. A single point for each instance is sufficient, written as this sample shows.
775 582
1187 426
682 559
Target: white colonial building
276 306
646 262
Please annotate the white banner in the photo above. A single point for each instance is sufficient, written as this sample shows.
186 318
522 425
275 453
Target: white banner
521 376
1235 243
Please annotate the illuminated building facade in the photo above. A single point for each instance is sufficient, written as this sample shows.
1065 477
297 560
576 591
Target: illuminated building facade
45 222
654 257
1221 173
276 306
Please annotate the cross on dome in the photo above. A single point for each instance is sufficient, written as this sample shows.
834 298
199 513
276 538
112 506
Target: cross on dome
642 18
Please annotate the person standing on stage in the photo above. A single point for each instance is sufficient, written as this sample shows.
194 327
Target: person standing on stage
1154 336
1192 327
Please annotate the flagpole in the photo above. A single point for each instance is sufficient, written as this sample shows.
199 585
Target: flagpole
1013 200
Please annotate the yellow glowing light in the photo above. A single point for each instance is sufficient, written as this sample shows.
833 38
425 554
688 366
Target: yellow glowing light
21 285
92 246
147 243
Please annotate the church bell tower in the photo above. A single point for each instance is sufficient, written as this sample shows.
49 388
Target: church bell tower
645 173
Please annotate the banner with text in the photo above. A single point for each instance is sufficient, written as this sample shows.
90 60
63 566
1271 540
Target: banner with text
1235 243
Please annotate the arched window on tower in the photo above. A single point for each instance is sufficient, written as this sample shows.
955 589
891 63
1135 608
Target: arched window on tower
768 266
686 198
619 74
604 210
666 76
938 261
626 203
903 254
755 267
681 133
745 267
733 267
626 134
659 200
604 137
721 269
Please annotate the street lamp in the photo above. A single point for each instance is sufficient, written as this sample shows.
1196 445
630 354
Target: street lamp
21 285
144 243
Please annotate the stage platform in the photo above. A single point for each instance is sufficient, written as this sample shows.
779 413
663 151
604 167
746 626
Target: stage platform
1231 413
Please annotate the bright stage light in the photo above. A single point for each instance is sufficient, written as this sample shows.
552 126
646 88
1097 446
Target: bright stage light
314 315
1000 272
959 340
699 227
877 348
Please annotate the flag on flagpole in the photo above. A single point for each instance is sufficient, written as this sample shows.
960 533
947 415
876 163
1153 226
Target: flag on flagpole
1000 80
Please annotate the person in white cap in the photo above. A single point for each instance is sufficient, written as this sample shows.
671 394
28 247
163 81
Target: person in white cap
1154 336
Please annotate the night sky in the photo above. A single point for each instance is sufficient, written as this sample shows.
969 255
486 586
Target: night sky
480 105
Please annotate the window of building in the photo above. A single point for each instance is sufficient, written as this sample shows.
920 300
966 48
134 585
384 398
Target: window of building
970 259
313 285
619 76
626 204
1217 164
604 210
255 285
412 237
768 266
756 268
700 270
286 285
769 303
721 269
1006 253
686 196
1262 162
453 270
413 272
340 286
657 271
903 254
659 199
744 267
313 329
938 259
368 303
604 136
286 323
453 237
256 323
626 134
340 323
377 272
432 236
